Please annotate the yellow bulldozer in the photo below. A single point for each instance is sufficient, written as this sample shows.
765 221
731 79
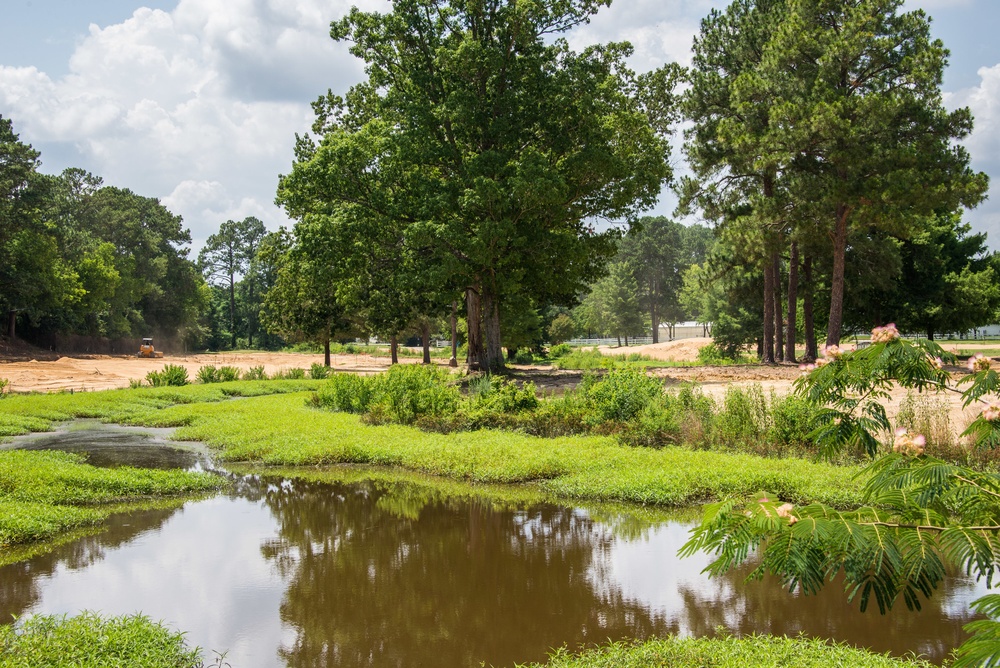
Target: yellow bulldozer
146 349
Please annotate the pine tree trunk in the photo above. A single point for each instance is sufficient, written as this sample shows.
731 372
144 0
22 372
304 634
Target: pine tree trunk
326 352
768 356
779 323
793 300
425 340
393 349
232 310
493 352
837 280
473 311
812 351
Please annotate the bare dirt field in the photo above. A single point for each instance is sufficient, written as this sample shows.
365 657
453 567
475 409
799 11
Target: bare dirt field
29 369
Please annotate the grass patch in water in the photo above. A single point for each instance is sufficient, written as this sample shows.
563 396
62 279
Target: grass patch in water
89 640
760 651
282 430
44 493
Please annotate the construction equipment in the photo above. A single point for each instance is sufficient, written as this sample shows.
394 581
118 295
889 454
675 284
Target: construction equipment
146 349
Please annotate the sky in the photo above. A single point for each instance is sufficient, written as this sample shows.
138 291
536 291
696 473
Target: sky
197 102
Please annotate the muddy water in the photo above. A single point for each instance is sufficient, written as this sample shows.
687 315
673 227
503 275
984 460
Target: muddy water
113 445
290 572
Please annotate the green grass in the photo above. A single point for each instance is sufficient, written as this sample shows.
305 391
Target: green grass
91 641
283 430
44 493
757 651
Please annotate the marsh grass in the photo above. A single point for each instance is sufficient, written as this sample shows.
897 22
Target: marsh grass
283 430
43 493
90 640
759 651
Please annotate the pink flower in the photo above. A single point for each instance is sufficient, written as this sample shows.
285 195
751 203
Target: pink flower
885 334
905 444
979 363
936 362
832 352
785 510
992 413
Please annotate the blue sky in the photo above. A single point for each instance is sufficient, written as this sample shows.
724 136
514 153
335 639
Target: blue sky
197 101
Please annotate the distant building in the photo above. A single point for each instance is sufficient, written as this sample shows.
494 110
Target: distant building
685 330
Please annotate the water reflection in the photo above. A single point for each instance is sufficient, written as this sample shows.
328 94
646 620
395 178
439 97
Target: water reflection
377 572
108 445
400 576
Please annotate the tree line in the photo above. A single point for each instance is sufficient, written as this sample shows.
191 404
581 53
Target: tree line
480 178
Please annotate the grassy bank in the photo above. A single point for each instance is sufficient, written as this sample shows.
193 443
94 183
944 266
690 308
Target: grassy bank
757 651
284 430
89 640
45 493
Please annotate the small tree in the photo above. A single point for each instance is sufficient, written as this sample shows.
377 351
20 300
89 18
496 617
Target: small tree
562 328
922 514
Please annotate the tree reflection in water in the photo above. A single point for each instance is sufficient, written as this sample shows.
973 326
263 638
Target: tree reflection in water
401 575
21 581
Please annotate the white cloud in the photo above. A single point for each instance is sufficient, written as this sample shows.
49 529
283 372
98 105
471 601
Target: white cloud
660 30
198 106
984 143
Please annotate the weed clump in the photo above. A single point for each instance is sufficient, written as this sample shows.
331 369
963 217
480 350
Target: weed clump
401 395
172 375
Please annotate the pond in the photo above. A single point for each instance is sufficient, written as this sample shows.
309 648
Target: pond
350 567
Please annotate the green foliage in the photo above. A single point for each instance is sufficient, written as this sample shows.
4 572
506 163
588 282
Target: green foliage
206 374
584 360
319 371
711 355
562 328
727 652
89 640
289 374
622 394
39 491
134 383
172 375
524 357
4 388
401 395
255 373
228 374
559 350
921 515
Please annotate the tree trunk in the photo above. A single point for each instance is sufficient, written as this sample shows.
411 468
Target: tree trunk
492 351
474 356
779 323
232 310
511 354
807 311
626 340
837 280
653 298
425 340
454 335
326 352
930 334
394 349
11 323
793 300
619 340
768 357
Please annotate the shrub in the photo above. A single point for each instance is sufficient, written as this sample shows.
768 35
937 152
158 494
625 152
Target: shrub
289 374
255 373
524 357
562 328
622 394
407 392
584 360
208 374
319 371
559 350
346 392
228 374
171 375
743 418
401 395
712 355
134 383
4 387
